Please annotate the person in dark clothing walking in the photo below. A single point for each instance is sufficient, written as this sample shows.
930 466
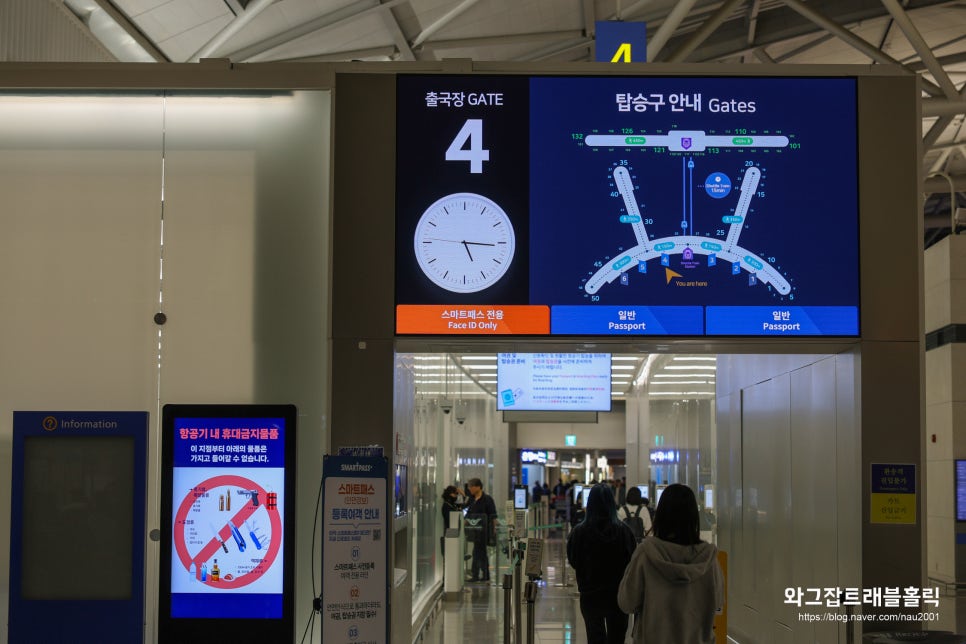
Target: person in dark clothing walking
537 493
599 549
481 515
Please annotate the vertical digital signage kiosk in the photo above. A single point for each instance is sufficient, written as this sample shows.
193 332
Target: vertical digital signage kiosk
77 527
227 550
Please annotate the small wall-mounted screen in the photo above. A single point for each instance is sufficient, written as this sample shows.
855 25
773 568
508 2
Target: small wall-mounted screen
399 495
553 382
69 482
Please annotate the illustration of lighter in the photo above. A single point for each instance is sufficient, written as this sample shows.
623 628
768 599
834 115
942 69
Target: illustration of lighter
252 494
218 537
251 533
238 538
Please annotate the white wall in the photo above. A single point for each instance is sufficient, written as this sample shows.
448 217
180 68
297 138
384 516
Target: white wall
788 471
245 186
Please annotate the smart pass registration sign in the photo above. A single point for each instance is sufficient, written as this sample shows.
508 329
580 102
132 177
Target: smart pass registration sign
355 550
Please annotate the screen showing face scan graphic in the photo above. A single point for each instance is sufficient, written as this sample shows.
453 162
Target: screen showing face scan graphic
627 206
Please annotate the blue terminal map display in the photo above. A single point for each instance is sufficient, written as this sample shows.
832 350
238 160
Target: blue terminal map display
629 205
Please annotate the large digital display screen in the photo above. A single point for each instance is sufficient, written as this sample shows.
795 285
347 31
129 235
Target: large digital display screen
553 381
685 206
227 489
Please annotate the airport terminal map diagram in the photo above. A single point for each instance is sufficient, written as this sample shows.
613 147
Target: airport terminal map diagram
729 192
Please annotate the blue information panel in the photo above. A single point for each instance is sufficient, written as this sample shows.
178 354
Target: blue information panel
227 485
628 205
78 526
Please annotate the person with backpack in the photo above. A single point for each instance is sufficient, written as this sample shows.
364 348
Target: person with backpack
599 549
634 514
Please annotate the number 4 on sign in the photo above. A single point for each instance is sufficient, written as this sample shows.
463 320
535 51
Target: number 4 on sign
476 154
623 53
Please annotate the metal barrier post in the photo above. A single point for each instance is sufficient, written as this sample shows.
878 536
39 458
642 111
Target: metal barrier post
517 591
849 624
507 600
503 548
531 595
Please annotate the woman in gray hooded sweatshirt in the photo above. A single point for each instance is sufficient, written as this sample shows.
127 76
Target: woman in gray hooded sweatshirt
673 583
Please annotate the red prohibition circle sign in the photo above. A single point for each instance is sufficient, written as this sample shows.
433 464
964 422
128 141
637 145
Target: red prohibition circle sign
211 548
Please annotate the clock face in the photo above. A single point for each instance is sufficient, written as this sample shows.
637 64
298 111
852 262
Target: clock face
464 242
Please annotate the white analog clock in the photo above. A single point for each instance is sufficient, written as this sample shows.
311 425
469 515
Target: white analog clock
464 242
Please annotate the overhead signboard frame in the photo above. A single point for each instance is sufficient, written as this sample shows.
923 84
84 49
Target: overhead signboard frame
652 206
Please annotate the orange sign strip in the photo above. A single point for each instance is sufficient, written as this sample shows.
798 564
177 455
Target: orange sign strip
462 319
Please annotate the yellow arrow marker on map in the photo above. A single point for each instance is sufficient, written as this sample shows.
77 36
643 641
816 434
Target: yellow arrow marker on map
668 273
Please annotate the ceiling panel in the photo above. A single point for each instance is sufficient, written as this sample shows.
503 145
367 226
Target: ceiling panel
554 30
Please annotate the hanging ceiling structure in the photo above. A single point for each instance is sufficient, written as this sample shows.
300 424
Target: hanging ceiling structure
927 37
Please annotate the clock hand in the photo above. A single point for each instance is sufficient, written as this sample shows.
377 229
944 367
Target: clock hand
466 245
479 243
454 241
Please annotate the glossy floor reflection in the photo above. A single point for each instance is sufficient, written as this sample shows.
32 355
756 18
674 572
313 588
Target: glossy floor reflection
478 616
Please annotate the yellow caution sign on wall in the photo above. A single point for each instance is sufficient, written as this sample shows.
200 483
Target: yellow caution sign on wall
892 497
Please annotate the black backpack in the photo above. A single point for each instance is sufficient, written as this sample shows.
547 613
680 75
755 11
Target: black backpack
634 522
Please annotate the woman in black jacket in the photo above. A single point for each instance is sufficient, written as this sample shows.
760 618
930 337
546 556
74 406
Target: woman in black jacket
599 549
450 504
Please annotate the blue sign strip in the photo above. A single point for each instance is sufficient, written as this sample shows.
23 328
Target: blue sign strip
370 467
893 478
626 320
229 442
782 320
